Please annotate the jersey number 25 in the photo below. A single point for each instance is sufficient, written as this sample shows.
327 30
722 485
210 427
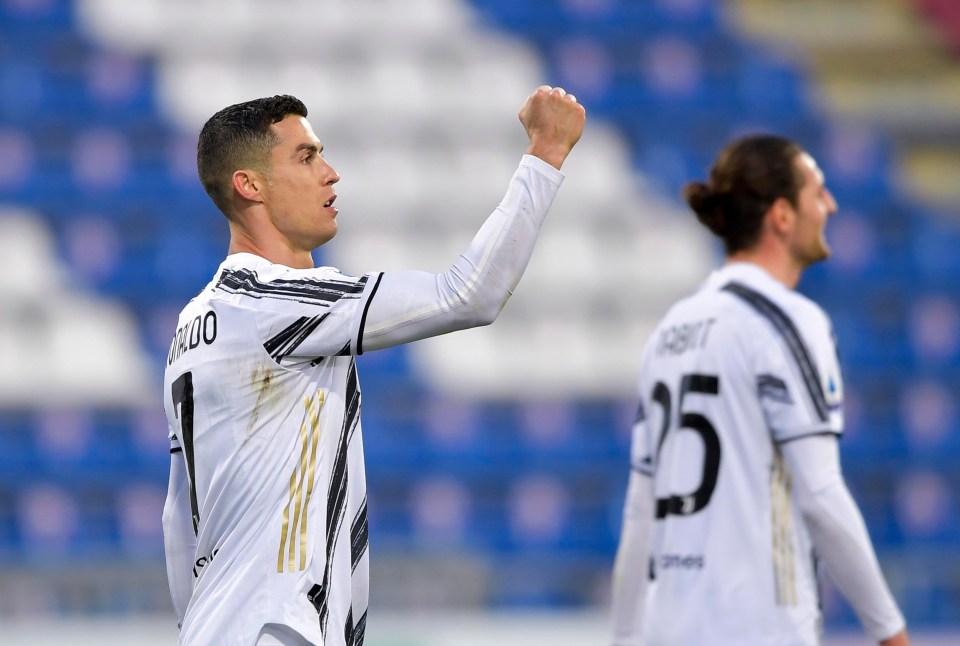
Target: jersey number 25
691 503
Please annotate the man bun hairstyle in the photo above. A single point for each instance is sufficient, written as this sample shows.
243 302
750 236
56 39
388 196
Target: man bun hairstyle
747 177
239 136
707 206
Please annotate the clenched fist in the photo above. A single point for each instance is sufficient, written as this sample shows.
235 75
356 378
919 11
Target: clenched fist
554 122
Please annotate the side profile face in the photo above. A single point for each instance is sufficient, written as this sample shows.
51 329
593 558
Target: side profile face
815 203
299 188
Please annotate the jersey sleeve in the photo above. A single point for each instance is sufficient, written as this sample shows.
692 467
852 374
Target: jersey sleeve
179 540
305 315
839 534
174 440
798 379
643 446
414 305
641 456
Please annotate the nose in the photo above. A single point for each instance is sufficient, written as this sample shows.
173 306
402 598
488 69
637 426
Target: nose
831 203
331 176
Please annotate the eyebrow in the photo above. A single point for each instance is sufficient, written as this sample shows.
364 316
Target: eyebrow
307 147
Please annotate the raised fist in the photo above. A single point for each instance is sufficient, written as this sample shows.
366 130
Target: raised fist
554 122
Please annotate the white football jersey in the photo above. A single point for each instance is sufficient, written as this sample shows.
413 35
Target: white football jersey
730 373
265 522
262 399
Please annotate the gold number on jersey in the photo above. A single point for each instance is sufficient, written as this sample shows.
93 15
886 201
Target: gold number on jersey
783 551
293 536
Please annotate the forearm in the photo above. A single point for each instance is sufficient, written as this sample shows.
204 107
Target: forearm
631 568
179 541
839 534
412 305
841 541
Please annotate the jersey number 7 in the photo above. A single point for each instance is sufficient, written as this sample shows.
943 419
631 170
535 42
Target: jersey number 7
182 392
687 504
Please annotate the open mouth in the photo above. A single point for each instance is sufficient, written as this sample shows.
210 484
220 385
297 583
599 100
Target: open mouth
330 202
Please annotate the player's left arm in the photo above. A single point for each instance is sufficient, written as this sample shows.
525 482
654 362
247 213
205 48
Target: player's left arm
179 541
412 305
803 404
839 534
399 307
381 310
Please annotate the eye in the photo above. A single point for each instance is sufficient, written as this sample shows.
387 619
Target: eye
307 159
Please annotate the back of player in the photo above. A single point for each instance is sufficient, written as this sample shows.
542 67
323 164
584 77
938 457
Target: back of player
725 378
736 491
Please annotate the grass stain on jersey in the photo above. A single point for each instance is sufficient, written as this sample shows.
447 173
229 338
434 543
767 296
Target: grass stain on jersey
269 394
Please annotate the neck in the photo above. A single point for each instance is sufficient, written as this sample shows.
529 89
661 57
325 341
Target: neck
779 265
272 248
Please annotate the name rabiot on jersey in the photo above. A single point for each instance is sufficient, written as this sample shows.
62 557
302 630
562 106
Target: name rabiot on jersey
731 372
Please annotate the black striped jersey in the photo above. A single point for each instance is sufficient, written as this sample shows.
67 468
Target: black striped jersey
732 372
262 399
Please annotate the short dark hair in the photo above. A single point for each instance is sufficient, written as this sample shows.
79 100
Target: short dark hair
237 137
746 178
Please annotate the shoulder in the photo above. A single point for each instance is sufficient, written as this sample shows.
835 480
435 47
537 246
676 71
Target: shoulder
260 279
261 270
771 313
799 307
780 306
810 319
274 272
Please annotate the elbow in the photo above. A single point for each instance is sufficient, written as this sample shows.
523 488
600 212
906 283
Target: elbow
808 504
471 316
487 315
474 303
816 506
479 309
167 517
483 311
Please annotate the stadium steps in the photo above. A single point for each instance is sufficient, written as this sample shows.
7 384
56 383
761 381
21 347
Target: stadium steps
877 61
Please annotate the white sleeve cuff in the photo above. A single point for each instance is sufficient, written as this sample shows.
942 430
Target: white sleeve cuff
534 162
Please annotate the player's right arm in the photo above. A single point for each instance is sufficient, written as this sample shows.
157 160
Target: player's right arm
412 305
631 567
179 541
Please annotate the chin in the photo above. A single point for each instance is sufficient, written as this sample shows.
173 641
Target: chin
819 256
327 238
813 256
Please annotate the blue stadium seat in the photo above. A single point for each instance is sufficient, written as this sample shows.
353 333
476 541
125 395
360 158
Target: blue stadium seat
19 457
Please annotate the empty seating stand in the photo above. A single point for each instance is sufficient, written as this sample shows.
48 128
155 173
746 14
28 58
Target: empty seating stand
530 487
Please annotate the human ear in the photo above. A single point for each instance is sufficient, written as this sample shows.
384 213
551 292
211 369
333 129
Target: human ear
247 184
782 216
